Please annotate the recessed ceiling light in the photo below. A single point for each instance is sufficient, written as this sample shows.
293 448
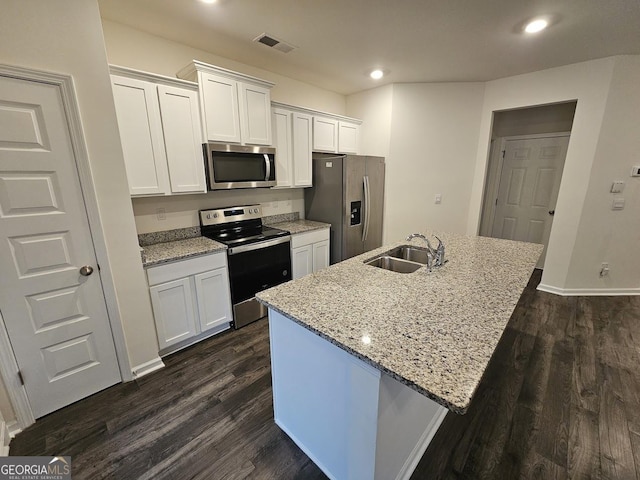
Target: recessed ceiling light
536 26
209 1
376 74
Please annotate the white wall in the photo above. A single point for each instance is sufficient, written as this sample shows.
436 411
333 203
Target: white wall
604 235
376 107
136 49
181 211
434 136
66 36
586 82
6 409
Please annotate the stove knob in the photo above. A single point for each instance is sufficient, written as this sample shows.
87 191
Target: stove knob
208 216
215 215
255 210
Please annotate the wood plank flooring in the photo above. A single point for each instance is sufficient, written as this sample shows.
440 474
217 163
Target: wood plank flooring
560 400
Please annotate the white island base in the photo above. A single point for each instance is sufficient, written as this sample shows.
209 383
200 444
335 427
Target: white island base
352 420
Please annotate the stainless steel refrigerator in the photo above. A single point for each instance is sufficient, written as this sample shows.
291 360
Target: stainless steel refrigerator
348 193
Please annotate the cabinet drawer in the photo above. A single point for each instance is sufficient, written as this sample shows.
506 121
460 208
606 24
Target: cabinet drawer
307 238
184 268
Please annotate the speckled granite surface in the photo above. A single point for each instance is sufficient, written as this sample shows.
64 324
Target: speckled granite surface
145 239
300 226
282 217
434 331
160 253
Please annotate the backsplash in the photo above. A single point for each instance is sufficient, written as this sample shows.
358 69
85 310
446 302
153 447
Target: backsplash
146 239
158 214
282 217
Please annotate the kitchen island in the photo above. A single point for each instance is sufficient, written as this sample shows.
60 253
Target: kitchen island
366 362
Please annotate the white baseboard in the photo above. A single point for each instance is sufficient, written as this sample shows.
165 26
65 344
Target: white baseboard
147 368
4 439
586 292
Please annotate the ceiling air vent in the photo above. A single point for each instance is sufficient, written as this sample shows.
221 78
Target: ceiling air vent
271 41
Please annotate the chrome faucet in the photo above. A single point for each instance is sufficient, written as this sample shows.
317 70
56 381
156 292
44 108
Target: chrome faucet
435 256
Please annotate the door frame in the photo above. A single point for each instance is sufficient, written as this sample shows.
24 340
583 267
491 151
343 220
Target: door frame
494 176
8 364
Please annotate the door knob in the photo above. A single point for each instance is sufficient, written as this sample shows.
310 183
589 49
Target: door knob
86 270
552 212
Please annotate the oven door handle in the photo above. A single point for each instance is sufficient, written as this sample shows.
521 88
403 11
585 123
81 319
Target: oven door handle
267 165
258 245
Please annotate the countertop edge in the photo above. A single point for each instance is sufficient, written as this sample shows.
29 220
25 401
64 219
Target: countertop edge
459 409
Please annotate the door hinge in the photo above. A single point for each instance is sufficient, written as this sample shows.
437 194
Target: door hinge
21 378
496 201
98 265
503 152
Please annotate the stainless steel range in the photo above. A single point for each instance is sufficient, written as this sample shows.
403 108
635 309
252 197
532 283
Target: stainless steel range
259 257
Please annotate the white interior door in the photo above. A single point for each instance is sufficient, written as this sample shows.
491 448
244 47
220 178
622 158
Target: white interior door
528 189
56 318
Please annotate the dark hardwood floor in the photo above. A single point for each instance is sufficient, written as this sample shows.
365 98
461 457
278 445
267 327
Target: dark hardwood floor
560 399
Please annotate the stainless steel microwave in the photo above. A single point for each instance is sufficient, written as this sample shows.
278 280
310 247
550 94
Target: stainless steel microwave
238 166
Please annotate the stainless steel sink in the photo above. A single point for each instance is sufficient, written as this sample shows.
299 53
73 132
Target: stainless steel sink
409 252
394 264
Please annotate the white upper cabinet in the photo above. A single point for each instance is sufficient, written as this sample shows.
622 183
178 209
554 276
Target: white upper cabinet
235 108
325 134
348 137
302 139
292 140
182 140
283 143
159 123
140 128
335 134
255 114
221 112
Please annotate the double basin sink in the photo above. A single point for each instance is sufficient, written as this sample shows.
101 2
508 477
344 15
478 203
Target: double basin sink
402 259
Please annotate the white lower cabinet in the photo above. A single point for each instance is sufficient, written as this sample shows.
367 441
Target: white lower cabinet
190 299
309 252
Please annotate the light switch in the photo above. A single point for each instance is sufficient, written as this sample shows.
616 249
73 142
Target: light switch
617 187
635 171
438 198
618 203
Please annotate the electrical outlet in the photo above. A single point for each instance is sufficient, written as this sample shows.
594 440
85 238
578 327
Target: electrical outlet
635 171
604 269
161 214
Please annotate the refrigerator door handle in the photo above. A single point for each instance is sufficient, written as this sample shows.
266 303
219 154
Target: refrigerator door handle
367 202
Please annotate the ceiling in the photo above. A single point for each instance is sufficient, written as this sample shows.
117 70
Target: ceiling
340 41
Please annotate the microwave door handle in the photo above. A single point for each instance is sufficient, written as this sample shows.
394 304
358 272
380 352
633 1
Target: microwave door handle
267 165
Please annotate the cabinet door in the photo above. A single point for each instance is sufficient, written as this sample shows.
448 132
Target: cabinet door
221 114
182 139
213 300
282 141
173 311
140 129
320 255
325 135
302 128
301 261
255 114
348 137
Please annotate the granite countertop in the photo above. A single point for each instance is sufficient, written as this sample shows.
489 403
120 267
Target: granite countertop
159 253
434 331
300 226
171 245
